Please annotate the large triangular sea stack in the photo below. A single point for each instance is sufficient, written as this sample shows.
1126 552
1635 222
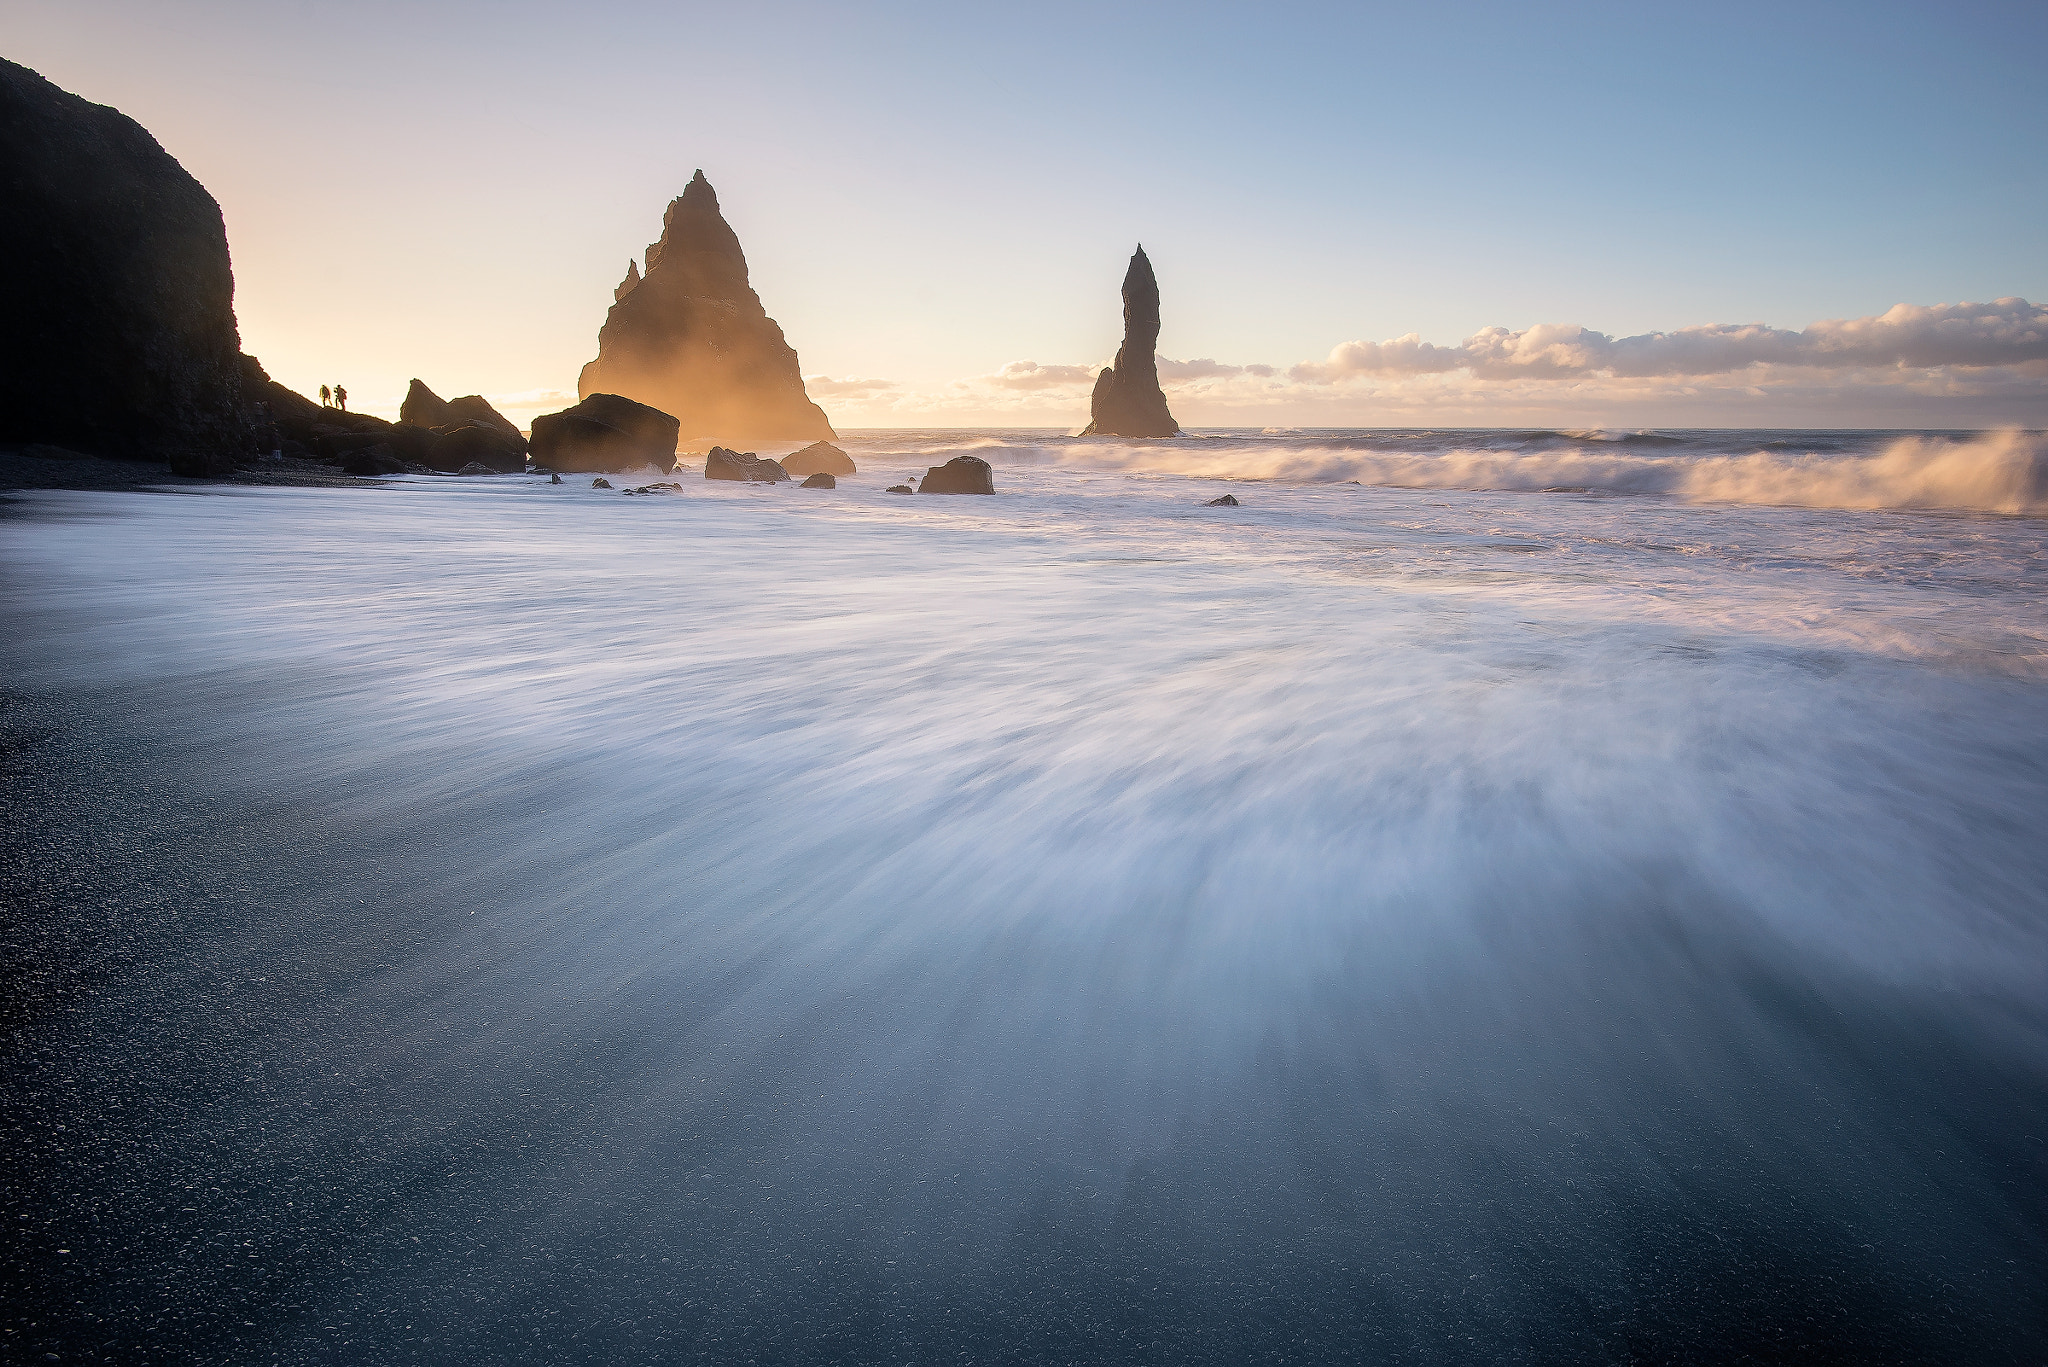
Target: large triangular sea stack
1128 401
690 337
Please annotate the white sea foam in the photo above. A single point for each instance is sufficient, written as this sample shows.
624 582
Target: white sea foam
2000 472
1431 870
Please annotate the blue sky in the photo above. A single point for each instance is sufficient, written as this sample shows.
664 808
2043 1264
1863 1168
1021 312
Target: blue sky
931 193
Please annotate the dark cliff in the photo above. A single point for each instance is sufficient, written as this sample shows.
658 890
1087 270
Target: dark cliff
1128 401
117 294
690 337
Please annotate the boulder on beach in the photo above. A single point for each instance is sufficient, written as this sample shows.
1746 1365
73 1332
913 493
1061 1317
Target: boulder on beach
821 480
605 432
118 296
744 466
477 467
475 410
960 475
600 483
423 407
900 489
375 459
474 444
690 336
1227 501
819 458
1128 401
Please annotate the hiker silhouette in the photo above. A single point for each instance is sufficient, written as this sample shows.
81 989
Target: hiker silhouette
341 398
325 397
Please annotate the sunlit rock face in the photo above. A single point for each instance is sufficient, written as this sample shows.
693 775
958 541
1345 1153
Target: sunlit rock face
116 291
1128 401
690 337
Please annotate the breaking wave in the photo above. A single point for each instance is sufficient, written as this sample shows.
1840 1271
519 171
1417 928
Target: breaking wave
1993 472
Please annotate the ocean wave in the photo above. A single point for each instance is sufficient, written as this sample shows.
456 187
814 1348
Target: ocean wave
1993 472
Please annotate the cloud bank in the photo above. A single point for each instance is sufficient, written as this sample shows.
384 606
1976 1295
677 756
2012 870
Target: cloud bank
2003 332
1938 365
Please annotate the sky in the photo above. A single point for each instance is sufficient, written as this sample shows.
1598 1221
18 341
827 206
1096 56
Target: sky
1455 214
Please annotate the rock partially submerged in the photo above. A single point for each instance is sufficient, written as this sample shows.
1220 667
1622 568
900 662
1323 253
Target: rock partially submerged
900 489
116 291
1128 401
819 458
821 480
600 483
743 466
664 487
691 336
960 475
605 432
1227 501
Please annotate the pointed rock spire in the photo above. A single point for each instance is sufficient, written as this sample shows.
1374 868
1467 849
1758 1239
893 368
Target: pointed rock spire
1128 401
632 278
691 338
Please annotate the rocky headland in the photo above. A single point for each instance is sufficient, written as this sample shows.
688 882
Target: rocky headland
1128 401
691 338
119 338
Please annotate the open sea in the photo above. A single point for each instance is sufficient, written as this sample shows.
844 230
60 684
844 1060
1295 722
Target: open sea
1493 897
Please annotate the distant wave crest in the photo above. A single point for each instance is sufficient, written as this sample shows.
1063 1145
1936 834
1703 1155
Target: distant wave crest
1996 472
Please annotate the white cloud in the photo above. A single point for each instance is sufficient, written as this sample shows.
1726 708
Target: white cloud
2004 332
1032 375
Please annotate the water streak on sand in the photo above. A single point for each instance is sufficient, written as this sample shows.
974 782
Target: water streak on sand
1080 923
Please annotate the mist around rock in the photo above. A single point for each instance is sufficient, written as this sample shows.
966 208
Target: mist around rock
691 337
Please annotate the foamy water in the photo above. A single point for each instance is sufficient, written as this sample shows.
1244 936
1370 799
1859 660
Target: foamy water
1435 921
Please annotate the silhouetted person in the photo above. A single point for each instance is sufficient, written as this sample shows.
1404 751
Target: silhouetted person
325 397
341 398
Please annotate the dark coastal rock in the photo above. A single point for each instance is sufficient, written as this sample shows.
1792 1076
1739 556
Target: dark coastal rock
745 466
456 447
477 467
960 475
554 478
691 337
116 292
1128 401
900 489
600 483
475 410
819 458
423 407
1227 501
821 480
412 441
664 487
605 432
375 459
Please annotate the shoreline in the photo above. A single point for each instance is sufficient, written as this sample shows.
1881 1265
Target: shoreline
35 466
